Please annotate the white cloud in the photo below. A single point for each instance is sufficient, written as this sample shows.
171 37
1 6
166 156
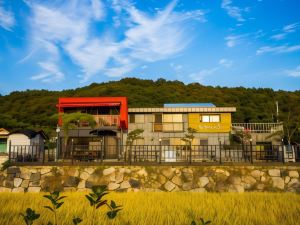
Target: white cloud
98 9
176 67
7 19
232 40
287 29
50 73
233 11
226 63
65 28
278 49
200 75
278 36
294 72
290 28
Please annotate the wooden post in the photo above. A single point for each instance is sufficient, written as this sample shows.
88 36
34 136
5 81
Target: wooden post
251 157
72 150
220 153
190 154
282 152
160 152
9 151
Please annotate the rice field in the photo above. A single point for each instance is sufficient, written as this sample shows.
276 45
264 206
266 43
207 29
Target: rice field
145 208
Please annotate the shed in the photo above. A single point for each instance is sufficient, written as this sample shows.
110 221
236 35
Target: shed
26 140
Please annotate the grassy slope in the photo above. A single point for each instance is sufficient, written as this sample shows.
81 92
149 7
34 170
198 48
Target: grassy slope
165 208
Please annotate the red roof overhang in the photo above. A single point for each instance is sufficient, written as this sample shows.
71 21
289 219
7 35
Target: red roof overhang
86 104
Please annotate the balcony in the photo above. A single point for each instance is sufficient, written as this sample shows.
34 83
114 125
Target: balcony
107 120
258 127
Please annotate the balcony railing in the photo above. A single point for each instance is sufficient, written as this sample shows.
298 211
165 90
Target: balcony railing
107 120
258 127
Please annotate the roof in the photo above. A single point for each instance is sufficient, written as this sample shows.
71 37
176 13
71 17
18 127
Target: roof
3 132
30 133
189 105
183 110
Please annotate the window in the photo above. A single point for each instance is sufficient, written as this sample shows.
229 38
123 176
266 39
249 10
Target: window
172 118
136 118
205 119
139 118
210 118
158 118
131 118
203 141
158 127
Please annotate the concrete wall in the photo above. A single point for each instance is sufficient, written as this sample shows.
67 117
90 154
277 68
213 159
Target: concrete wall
159 178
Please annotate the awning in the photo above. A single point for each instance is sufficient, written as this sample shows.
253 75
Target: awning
104 132
86 104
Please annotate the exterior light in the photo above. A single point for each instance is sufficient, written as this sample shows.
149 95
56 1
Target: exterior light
57 143
250 140
159 140
58 129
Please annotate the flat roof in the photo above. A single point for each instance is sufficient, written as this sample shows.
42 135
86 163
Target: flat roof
182 110
207 104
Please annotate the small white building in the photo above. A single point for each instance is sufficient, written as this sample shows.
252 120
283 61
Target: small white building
26 143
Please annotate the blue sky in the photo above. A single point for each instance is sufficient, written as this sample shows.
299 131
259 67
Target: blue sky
67 44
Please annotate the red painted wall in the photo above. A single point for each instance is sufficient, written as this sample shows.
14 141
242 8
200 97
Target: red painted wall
95 101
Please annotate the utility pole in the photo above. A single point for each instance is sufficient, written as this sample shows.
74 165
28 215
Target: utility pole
277 111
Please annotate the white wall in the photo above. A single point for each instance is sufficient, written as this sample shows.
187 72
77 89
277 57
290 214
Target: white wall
21 139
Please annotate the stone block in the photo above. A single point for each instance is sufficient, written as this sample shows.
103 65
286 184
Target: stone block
89 170
25 184
13 170
113 186
17 182
71 182
35 177
203 181
5 189
169 186
125 185
177 180
134 183
108 171
34 189
84 175
278 182
293 174
18 190
274 172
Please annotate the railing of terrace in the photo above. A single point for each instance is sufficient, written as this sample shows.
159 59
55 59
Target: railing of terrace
161 154
258 127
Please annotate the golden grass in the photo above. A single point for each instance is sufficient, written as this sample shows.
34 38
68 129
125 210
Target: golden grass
164 208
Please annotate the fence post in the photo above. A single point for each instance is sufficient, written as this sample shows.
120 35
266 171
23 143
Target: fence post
160 150
220 153
130 154
44 156
9 151
251 157
190 154
283 152
72 150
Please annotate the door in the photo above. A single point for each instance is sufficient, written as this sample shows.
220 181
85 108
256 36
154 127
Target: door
111 147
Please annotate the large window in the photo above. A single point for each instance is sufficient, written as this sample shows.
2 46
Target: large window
210 118
157 127
172 118
172 122
136 118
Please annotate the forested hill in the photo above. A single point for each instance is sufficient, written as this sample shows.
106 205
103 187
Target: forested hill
35 108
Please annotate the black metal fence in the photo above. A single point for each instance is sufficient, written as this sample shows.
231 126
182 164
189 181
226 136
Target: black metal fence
158 153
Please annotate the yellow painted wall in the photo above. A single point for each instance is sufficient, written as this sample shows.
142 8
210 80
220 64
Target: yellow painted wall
222 127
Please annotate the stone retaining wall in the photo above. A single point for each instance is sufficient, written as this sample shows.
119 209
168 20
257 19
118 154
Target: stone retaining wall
196 179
